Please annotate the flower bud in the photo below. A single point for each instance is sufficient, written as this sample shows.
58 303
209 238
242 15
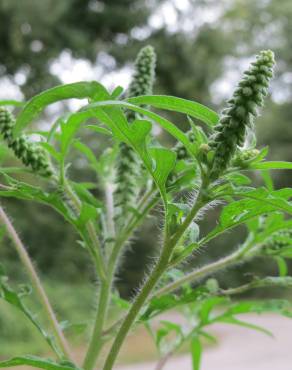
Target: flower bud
28 152
128 165
230 132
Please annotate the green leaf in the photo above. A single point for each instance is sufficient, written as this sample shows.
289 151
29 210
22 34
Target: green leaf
36 362
79 90
234 321
273 305
21 190
158 161
117 92
163 332
272 165
88 154
158 305
207 307
196 351
69 128
164 162
238 179
99 130
15 103
255 203
88 212
267 178
94 110
172 103
14 299
282 266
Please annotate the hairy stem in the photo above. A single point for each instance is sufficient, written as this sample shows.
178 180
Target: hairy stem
135 309
36 283
149 285
202 272
96 343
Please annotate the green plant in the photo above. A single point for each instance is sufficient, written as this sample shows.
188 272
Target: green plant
209 163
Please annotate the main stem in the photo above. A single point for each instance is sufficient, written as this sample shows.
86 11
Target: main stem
155 275
96 343
36 283
135 309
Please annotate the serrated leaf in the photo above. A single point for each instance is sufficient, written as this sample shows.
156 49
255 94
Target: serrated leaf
77 90
172 103
36 362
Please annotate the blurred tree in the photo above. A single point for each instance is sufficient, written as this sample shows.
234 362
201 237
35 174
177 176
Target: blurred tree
33 33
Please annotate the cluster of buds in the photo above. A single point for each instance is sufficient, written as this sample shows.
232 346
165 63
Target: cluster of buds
230 132
31 154
244 157
278 241
180 150
144 76
128 165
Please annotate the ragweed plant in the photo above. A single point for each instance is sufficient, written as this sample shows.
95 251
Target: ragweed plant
208 162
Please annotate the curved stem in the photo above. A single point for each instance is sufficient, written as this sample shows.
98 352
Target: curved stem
37 285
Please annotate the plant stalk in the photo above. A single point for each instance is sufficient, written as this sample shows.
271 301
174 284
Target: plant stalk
202 272
36 283
154 277
96 343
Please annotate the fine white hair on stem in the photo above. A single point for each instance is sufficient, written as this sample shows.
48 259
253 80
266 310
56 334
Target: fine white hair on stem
213 204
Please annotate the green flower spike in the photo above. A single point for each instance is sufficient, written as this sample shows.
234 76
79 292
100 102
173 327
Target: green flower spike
230 132
128 166
28 152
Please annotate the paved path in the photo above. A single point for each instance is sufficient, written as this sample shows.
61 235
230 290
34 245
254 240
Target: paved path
241 348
